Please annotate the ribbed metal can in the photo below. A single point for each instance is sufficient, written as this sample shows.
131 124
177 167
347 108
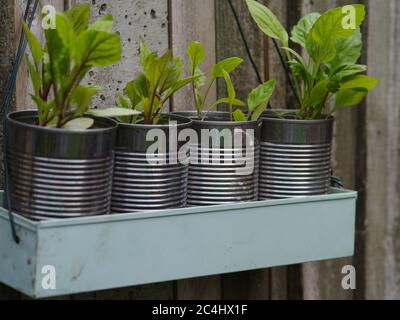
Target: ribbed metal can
220 173
57 173
295 156
144 180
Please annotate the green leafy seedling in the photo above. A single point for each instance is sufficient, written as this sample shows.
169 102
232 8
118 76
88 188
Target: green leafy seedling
333 49
57 69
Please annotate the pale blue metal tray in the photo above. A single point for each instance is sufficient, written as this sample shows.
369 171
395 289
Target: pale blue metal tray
89 254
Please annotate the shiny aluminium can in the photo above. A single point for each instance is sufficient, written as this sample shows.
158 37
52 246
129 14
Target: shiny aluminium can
146 180
58 173
219 173
295 156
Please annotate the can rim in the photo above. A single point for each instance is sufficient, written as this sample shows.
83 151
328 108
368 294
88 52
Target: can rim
111 124
185 122
270 118
223 115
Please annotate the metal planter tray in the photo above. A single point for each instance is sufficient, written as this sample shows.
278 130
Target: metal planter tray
107 252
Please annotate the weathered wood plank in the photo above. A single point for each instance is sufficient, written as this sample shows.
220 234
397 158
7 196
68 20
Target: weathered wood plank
229 43
322 280
192 20
383 154
206 288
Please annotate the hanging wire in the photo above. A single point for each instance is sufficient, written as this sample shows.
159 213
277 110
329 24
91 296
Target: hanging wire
248 51
287 71
28 18
246 45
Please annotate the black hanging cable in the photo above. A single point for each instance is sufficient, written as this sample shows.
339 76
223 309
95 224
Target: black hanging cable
5 106
281 57
246 45
287 71
12 78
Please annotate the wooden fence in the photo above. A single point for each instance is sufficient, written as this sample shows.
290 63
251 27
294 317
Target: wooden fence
367 138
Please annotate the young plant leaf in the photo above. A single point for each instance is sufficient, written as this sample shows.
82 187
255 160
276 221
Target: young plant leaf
360 82
321 41
66 33
104 24
258 99
348 51
239 116
79 124
318 94
349 98
228 65
196 54
35 76
145 53
268 22
97 48
81 97
124 102
235 102
303 27
34 44
79 16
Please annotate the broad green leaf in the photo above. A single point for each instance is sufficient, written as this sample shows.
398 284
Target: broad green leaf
179 85
348 51
35 46
259 98
114 112
35 76
350 70
239 116
171 73
299 66
81 97
200 78
134 91
360 82
79 124
66 33
43 108
321 41
228 65
318 94
79 16
196 55
268 22
58 65
349 97
229 86
344 72
124 102
302 29
104 24
235 102
145 52
261 95
97 48
346 29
